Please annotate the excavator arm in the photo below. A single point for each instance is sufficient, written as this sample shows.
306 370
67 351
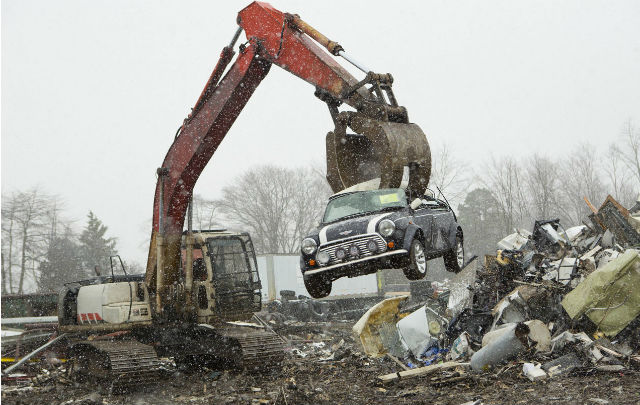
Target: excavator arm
383 134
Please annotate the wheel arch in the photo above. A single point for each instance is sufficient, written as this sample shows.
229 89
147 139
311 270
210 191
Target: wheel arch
410 234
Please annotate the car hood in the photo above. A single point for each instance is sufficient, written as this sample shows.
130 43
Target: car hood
351 227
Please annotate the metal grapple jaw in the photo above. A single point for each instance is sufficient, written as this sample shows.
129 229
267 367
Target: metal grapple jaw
376 141
396 153
383 144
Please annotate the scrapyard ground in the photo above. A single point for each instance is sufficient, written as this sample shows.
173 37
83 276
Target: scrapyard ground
318 378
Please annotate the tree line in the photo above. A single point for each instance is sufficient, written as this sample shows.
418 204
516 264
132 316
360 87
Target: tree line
278 206
509 193
40 249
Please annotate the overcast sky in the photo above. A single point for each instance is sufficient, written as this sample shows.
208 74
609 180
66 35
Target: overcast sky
93 91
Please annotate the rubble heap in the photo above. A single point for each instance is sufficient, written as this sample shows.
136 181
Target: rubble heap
554 299
555 306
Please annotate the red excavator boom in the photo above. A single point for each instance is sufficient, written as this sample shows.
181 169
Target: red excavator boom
287 41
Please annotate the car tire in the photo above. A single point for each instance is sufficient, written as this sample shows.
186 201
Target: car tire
454 259
417 268
317 286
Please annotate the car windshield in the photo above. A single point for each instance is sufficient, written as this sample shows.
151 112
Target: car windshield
363 202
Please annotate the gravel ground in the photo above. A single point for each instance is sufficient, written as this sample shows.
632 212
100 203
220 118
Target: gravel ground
324 366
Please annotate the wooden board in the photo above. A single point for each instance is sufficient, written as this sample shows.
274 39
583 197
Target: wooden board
420 371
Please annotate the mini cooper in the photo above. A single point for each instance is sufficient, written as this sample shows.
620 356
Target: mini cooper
364 231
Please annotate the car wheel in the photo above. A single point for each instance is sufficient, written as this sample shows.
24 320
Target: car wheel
454 259
418 262
317 286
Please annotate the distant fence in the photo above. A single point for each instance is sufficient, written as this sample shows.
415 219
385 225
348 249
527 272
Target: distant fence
29 305
277 272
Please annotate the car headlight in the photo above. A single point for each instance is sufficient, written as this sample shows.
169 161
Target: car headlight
323 258
308 246
354 251
386 227
372 246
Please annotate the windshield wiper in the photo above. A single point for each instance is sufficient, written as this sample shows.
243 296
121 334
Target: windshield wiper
394 208
359 214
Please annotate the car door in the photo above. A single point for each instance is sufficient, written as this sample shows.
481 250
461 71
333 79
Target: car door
434 218
443 217
424 218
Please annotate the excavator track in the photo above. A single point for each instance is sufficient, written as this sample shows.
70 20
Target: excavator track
261 350
120 364
250 348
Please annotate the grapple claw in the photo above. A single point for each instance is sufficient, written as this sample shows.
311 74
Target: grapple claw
377 149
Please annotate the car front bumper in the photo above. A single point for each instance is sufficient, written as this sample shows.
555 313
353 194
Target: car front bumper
366 265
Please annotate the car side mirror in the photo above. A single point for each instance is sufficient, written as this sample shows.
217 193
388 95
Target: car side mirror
415 203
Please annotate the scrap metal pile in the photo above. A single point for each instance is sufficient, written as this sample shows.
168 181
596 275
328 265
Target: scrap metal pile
555 300
557 307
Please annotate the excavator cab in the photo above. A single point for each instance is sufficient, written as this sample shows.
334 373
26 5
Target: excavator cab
235 274
225 276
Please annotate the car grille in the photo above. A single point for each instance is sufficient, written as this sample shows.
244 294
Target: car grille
360 242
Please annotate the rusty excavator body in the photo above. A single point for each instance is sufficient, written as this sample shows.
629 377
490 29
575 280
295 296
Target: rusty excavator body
202 287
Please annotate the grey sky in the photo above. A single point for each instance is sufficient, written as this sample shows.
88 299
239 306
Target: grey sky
93 92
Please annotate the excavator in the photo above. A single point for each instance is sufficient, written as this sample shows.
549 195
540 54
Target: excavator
201 289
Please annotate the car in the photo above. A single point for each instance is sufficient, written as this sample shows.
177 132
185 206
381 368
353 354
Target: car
362 232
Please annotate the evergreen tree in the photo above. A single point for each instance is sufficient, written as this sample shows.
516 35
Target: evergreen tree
62 264
95 246
479 216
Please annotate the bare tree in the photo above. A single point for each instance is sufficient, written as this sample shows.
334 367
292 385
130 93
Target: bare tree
134 267
9 208
629 148
2 258
505 179
308 205
205 213
543 185
621 181
579 177
278 206
26 222
449 174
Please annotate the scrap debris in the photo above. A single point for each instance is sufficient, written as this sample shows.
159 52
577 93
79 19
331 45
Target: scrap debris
551 305
421 371
554 299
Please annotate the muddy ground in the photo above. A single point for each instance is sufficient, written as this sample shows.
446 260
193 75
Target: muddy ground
325 366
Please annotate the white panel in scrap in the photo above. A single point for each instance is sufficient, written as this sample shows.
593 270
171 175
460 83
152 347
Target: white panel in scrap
286 268
357 285
414 332
262 272
289 277
461 289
